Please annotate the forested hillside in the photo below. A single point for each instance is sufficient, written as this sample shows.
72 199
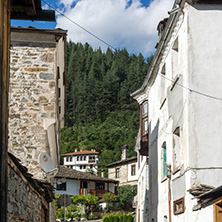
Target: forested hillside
100 113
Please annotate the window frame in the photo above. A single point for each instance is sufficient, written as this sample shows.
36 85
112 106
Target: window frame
164 160
61 187
117 172
177 202
133 170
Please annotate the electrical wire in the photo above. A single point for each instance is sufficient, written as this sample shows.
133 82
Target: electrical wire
191 90
95 36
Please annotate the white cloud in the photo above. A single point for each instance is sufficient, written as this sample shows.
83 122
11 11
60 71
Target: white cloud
115 21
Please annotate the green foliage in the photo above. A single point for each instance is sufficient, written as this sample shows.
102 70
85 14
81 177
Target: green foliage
100 113
109 197
59 213
85 199
126 194
105 219
116 218
125 217
130 218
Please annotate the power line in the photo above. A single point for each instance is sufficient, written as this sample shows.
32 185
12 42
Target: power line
95 36
191 90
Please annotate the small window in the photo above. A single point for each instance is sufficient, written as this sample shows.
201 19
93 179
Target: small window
81 158
145 108
145 126
58 72
133 170
59 92
80 167
164 160
59 109
163 70
70 159
117 172
91 166
77 158
178 206
61 186
84 157
67 159
84 166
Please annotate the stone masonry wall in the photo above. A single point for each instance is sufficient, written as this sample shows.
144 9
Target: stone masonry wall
24 204
32 98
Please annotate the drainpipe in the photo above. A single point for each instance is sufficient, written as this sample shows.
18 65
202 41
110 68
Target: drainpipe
169 190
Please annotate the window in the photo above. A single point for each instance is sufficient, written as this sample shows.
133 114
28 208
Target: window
77 158
84 157
176 149
145 118
67 159
59 109
175 58
61 186
91 166
70 159
133 170
84 166
80 167
81 158
59 92
178 206
117 172
163 70
164 160
100 186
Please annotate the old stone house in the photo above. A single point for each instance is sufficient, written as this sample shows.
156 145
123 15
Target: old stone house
28 198
25 10
183 93
36 97
125 170
36 94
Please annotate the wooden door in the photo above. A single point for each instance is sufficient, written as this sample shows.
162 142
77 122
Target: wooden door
218 212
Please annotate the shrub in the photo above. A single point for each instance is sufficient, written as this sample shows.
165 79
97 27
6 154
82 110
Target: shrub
129 218
111 218
116 218
125 218
105 219
120 218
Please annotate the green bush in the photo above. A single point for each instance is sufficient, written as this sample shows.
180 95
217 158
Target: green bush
105 219
120 218
125 218
129 218
111 218
116 218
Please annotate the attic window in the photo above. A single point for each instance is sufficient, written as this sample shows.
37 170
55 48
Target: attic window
175 45
163 70
177 131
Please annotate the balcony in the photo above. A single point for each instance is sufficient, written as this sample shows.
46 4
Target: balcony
96 192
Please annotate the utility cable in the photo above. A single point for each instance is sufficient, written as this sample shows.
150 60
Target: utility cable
191 90
95 36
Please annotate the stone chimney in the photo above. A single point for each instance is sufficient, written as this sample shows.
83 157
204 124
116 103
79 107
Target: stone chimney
125 152
103 173
76 150
160 28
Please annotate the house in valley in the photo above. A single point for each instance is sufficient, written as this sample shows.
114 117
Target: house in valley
82 160
74 182
182 91
125 170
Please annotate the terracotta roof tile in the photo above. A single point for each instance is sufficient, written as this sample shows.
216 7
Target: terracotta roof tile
84 152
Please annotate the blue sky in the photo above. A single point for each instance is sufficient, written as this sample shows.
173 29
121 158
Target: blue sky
129 24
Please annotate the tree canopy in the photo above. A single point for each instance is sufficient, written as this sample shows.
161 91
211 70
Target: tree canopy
100 113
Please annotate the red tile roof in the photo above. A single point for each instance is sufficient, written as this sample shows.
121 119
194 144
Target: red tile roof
84 152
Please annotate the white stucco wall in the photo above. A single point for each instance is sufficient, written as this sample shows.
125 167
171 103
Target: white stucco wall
199 57
72 188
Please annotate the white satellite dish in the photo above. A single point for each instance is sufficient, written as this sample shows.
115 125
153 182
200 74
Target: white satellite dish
46 163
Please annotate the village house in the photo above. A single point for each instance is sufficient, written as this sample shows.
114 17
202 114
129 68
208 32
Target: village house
142 197
182 91
125 170
83 160
73 182
36 97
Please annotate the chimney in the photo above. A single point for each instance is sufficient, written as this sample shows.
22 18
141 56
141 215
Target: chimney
125 152
76 150
103 173
160 28
80 150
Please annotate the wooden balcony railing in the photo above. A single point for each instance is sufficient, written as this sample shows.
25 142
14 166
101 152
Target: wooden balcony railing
96 192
